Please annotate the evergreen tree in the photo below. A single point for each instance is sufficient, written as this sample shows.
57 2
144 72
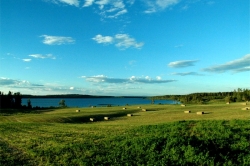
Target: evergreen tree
17 100
62 103
29 104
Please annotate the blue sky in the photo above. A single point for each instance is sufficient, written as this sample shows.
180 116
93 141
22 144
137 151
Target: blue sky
124 47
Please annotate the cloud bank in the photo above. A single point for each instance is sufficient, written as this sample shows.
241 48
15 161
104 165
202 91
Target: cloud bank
133 79
13 82
181 64
25 86
238 65
57 40
187 74
122 41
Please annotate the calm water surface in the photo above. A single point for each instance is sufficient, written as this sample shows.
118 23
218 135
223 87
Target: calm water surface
86 102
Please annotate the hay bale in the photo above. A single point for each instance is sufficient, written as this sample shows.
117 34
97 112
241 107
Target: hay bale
187 111
129 114
124 108
77 110
138 107
244 103
183 105
228 103
199 113
92 106
144 109
106 118
247 108
92 119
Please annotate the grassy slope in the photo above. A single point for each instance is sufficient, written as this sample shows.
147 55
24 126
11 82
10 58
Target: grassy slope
64 137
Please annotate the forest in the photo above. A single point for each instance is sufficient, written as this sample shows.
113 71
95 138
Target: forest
238 95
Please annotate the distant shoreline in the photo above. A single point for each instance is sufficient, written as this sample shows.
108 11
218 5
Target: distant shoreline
78 96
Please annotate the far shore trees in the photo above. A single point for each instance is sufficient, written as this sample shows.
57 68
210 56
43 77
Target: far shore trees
239 95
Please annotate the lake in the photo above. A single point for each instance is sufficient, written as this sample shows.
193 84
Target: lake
86 102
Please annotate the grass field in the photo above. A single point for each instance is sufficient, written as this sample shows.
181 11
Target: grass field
163 135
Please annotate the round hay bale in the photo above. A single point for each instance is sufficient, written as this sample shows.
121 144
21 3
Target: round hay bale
144 109
92 119
138 107
245 108
77 110
129 114
183 105
228 103
187 112
199 113
124 108
106 118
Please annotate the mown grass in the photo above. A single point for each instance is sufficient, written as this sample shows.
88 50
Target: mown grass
163 135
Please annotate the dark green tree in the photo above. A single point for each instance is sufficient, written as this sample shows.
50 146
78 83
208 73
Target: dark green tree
29 104
17 100
62 103
9 100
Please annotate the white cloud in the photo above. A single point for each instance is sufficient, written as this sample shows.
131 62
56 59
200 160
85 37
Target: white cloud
132 79
26 87
118 13
26 60
122 41
103 39
101 3
158 5
40 56
158 78
132 62
13 82
69 2
187 73
180 64
166 3
125 41
109 8
57 40
88 3
238 65
242 69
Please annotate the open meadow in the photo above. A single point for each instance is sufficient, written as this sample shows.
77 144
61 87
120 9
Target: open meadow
158 135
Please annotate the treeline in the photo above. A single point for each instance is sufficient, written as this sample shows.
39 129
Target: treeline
76 96
64 96
239 95
11 100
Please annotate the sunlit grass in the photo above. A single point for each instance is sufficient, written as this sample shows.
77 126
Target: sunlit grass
163 135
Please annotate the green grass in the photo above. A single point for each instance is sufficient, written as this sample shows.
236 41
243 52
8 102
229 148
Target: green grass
164 135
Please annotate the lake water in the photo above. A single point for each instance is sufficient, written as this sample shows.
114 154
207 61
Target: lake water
86 102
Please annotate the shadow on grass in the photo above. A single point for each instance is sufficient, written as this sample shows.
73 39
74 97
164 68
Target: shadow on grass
98 117
149 110
207 112
7 112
